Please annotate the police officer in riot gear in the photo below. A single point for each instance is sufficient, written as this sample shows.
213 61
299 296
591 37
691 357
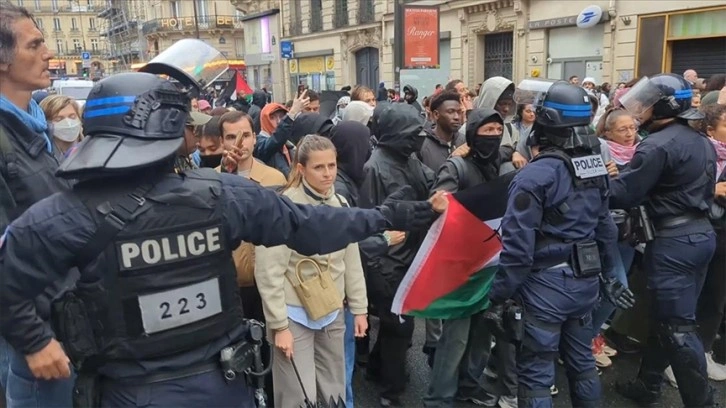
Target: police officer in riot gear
155 318
555 232
672 174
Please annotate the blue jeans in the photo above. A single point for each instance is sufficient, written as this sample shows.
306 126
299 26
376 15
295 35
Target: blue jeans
349 346
603 309
25 391
5 351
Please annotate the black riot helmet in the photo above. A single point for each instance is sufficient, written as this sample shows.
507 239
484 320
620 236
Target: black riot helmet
563 113
668 94
130 120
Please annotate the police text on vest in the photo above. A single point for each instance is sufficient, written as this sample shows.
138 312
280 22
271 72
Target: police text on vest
589 166
162 250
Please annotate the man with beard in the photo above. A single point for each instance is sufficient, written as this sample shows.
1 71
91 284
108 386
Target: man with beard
464 343
392 165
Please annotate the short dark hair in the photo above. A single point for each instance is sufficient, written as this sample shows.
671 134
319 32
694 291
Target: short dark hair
574 76
451 85
9 14
233 117
212 129
312 95
441 97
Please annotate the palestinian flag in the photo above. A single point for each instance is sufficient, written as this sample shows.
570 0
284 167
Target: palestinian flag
454 269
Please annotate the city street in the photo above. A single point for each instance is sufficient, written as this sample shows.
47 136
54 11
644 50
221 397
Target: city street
366 393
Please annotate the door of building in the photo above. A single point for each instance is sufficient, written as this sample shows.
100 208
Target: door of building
366 63
498 52
705 55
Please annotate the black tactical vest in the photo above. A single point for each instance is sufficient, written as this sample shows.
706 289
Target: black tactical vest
168 278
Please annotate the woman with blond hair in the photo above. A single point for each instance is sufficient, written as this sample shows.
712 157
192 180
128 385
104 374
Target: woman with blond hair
64 121
307 335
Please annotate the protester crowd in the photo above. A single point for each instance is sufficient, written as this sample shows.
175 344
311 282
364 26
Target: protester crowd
356 152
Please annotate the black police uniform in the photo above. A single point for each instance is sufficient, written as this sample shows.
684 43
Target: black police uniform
674 170
557 217
157 299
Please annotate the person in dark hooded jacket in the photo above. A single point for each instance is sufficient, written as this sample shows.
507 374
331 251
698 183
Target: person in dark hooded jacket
351 140
310 124
410 96
382 94
464 345
391 166
259 100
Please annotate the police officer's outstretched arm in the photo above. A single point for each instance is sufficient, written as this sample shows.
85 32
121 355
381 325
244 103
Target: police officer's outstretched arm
522 218
642 174
260 216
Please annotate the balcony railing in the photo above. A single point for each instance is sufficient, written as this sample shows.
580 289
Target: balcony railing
206 22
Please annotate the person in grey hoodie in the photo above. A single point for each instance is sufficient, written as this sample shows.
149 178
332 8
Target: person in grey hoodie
497 93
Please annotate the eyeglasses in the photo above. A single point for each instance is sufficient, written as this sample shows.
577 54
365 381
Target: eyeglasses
626 129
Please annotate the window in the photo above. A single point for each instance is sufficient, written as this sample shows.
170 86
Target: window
37 5
20 3
91 23
295 19
74 24
94 44
366 11
77 45
341 14
56 24
175 9
59 46
39 23
202 10
54 5
316 16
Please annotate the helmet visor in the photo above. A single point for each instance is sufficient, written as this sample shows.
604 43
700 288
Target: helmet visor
532 91
191 62
641 97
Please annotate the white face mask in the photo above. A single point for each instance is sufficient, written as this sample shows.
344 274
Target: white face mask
67 129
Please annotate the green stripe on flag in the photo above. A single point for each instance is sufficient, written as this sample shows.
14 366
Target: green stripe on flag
463 302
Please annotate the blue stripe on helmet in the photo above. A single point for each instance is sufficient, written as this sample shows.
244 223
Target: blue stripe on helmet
116 110
576 114
567 107
683 94
111 100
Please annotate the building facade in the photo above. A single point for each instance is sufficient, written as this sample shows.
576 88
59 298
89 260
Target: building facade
347 42
121 27
70 29
262 55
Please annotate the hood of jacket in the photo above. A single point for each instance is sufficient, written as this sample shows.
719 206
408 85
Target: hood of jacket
358 111
410 89
477 118
484 151
352 143
400 128
491 90
310 124
266 123
259 98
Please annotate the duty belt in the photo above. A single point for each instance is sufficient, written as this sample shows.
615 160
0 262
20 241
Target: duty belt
195 369
675 221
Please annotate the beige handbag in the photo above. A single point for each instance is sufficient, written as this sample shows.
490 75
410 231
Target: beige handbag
318 294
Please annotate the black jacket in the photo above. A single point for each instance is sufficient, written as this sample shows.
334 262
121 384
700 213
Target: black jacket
393 165
27 175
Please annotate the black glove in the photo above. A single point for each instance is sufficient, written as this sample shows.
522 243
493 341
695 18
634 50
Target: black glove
617 293
494 319
404 215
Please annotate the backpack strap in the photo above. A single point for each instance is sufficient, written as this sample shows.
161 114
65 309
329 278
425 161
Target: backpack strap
463 175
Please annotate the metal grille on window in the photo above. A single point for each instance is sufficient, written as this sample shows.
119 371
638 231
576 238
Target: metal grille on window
341 13
366 11
498 51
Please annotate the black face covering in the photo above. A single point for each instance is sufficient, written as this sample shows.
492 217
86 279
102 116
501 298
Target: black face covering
211 160
486 148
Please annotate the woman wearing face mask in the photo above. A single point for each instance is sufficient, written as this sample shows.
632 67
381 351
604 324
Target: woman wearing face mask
312 337
64 119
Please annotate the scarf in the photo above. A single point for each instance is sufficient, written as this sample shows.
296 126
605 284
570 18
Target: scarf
621 154
34 118
721 155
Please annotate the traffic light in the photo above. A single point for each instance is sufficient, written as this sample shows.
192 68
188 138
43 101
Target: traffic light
85 72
